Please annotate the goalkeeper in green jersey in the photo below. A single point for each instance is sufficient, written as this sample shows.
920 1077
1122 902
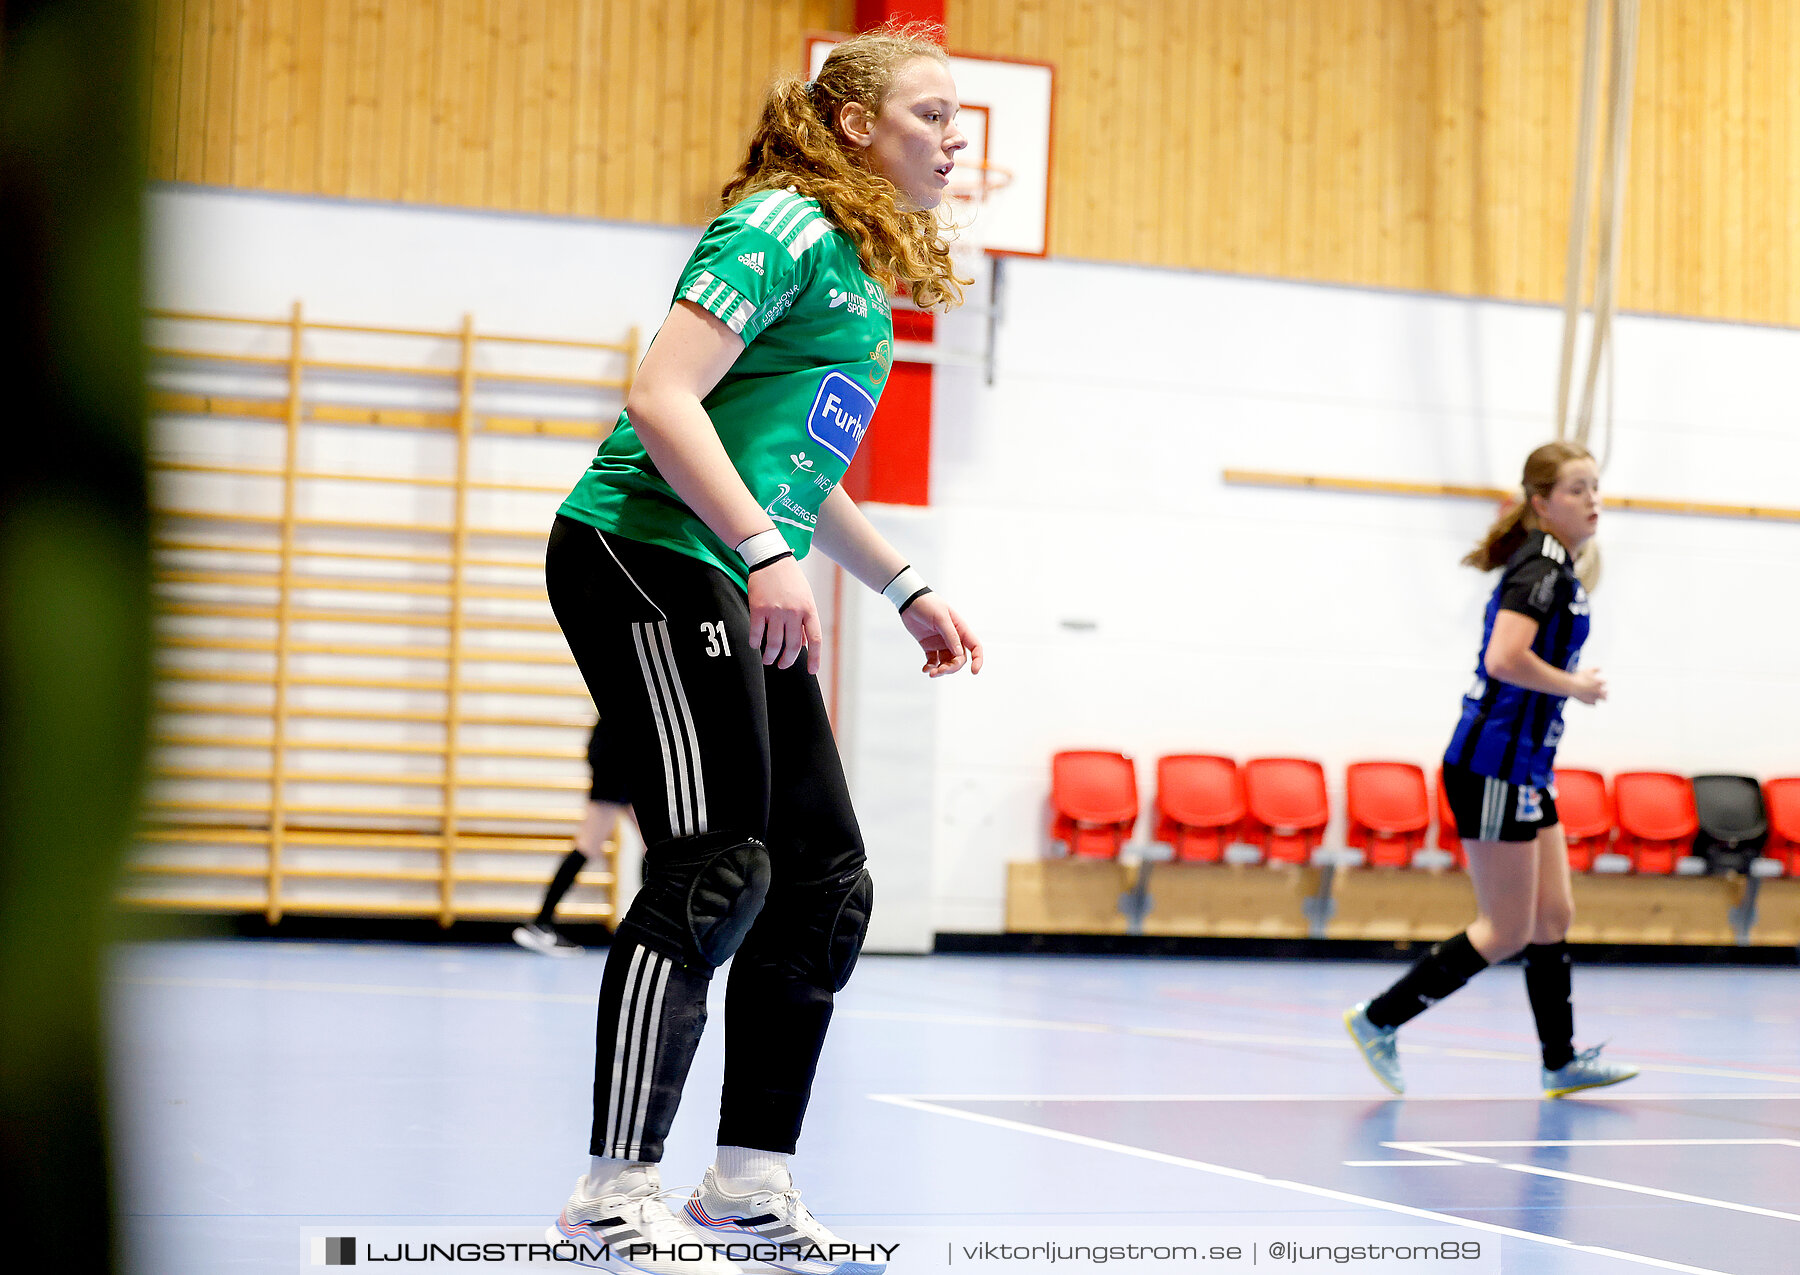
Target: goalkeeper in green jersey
673 569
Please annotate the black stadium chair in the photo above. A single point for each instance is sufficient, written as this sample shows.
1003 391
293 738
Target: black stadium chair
1734 825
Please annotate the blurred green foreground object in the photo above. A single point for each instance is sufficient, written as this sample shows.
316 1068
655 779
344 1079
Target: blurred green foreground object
74 595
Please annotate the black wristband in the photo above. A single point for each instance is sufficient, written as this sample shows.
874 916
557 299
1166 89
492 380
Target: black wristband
914 598
773 558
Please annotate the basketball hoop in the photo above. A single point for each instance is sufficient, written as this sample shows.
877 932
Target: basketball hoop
973 180
972 184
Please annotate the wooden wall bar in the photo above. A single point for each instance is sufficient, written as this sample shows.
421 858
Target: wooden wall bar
365 706
1403 143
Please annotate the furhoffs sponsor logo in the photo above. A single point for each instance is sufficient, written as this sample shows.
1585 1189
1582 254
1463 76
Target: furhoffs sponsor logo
840 415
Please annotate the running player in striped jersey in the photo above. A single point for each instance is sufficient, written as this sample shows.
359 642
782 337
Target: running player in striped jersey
673 572
1499 778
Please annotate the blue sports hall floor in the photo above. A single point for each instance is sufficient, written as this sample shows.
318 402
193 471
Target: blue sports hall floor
261 1086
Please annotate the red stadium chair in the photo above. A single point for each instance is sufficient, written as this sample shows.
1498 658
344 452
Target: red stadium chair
1388 811
1657 819
1093 802
1447 840
1782 797
1199 805
1585 809
1287 807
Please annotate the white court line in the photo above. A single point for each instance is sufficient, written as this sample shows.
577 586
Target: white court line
1460 1156
1650 1190
1337 1042
1439 1148
1604 1099
1304 1188
1402 1164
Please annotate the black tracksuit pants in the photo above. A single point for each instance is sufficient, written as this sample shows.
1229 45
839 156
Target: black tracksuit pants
719 751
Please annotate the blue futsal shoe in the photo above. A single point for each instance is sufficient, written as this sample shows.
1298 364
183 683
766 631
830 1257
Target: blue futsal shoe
1585 1071
1376 1044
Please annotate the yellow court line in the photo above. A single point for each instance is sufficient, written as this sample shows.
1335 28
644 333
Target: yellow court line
1311 1042
358 989
948 1020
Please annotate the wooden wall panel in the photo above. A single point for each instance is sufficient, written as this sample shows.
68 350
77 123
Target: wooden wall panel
267 163
559 106
1406 143
612 108
166 83
1418 143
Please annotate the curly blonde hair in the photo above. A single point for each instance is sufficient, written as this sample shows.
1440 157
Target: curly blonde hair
796 146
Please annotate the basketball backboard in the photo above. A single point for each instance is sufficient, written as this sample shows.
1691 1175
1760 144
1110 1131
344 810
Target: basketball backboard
1002 182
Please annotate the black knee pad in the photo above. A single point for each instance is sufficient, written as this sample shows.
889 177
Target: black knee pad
811 932
724 899
848 928
700 897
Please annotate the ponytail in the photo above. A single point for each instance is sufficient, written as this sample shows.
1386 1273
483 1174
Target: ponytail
1517 520
1503 539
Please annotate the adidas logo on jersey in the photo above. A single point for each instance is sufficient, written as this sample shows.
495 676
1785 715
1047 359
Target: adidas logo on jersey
752 259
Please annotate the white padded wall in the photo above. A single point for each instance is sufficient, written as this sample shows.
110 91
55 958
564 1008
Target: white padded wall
1128 598
1131 600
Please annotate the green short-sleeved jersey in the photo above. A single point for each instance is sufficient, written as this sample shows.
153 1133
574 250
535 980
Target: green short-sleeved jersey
818 341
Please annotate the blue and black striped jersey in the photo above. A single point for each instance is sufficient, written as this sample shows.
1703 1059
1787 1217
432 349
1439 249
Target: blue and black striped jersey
1506 731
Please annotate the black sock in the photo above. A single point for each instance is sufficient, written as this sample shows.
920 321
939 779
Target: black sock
1446 967
572 863
1547 984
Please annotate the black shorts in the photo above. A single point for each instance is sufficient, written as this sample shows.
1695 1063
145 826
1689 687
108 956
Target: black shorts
606 766
1490 809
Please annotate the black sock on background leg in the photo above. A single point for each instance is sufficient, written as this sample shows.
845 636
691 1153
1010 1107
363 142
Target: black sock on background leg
1548 984
1443 969
572 863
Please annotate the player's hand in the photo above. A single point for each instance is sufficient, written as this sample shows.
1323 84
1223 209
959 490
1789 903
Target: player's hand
948 641
783 616
1590 687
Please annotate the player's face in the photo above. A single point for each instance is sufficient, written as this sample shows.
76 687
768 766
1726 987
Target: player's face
913 139
1571 512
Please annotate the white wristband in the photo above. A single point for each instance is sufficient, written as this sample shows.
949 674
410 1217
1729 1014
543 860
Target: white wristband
761 547
905 588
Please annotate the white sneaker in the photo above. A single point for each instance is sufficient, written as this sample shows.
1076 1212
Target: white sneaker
1587 1070
783 1234
542 938
1376 1045
634 1231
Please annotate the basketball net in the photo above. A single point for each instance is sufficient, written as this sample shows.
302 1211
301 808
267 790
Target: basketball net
972 183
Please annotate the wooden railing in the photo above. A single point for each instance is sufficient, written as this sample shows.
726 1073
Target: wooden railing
365 705
1460 491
